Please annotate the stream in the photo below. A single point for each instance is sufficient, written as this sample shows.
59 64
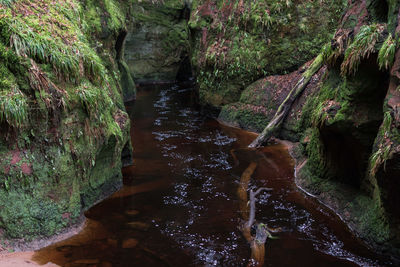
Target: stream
180 206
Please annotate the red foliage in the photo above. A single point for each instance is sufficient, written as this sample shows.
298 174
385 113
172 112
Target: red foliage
204 37
26 169
16 157
207 9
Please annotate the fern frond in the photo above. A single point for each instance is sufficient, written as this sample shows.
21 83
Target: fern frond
387 53
361 47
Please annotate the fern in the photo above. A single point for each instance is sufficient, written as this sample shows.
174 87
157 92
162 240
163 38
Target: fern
378 158
387 53
362 46
387 123
382 154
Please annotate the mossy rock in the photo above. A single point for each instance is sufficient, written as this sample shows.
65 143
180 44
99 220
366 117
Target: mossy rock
235 44
157 40
64 152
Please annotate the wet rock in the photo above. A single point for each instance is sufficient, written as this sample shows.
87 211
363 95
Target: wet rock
112 242
139 226
132 212
87 261
157 41
130 243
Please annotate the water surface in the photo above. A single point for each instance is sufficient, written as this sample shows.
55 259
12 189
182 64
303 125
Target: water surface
179 204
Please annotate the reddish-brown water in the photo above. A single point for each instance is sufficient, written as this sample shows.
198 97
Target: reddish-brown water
179 204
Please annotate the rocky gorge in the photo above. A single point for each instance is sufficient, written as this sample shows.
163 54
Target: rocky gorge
68 67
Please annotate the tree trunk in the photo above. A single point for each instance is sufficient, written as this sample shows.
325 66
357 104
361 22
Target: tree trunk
275 124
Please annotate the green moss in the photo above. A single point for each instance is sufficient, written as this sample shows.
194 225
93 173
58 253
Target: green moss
265 37
157 40
127 83
63 87
23 215
393 9
244 116
102 16
363 213
13 103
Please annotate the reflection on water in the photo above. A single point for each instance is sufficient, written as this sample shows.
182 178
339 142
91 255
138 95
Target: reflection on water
179 204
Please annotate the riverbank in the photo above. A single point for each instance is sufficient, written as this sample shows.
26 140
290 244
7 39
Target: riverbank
20 259
18 253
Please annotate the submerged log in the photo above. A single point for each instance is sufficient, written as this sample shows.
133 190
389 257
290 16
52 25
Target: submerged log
275 124
248 211
257 243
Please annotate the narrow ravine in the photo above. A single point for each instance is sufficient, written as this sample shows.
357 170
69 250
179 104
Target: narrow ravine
180 206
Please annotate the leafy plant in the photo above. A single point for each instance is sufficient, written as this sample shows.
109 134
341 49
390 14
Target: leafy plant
387 53
362 46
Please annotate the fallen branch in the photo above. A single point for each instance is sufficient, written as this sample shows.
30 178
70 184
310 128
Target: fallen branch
275 124
253 204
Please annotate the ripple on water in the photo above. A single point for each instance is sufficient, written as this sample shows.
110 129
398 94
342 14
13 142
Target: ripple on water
161 136
209 250
219 160
223 140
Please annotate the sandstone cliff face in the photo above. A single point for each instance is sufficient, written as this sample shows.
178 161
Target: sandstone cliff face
63 82
63 122
157 40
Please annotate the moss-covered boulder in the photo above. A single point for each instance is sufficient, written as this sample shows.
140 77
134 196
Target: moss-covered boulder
259 102
157 40
63 122
235 43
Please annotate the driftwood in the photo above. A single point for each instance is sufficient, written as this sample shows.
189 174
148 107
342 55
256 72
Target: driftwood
248 211
275 124
252 202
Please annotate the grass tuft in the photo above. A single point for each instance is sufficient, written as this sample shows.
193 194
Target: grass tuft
13 108
52 35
